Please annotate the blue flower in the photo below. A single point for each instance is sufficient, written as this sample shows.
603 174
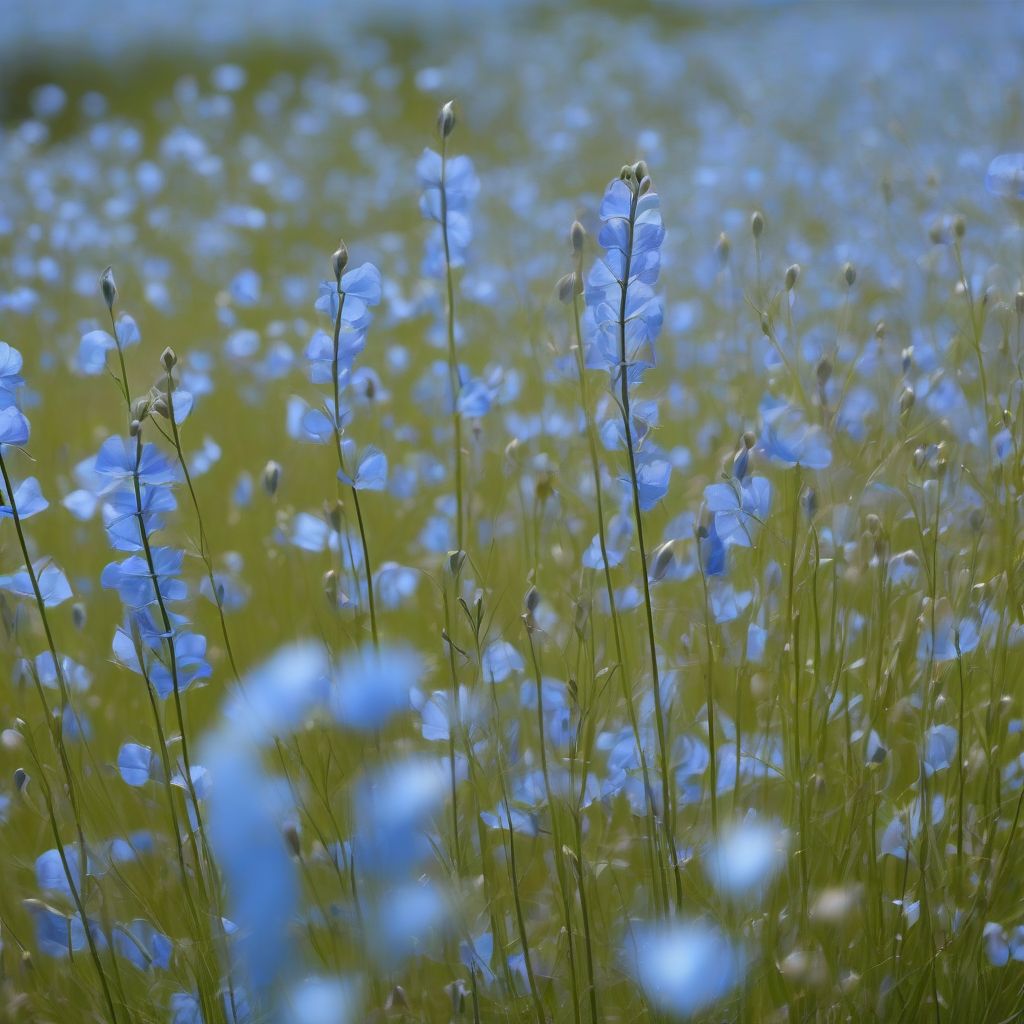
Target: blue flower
14 428
1005 176
28 497
683 966
461 186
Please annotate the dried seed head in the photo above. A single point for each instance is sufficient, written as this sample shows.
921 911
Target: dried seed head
446 120
108 287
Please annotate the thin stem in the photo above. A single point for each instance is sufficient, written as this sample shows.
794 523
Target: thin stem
367 565
659 714
453 365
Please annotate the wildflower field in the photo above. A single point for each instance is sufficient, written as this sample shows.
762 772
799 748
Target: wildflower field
591 590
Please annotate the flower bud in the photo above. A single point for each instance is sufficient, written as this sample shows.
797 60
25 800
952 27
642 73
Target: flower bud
168 359
757 224
824 370
446 120
1018 303
959 226
577 236
78 615
454 562
135 428
849 273
907 399
140 408
292 840
108 287
160 407
567 288
722 249
339 261
271 477
532 600
792 276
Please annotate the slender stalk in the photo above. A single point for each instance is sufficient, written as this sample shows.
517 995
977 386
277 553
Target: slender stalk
453 365
367 565
668 813
617 632
556 839
77 889
204 545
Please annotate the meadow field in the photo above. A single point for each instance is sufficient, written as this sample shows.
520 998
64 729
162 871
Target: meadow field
512 512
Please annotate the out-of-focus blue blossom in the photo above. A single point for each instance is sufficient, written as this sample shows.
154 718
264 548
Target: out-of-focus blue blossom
1005 176
684 966
322 1001
372 686
500 660
142 945
746 857
788 439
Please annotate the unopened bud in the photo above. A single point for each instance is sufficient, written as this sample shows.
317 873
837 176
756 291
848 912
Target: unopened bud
454 562
959 226
140 408
567 288
1018 303
168 359
907 399
397 999
108 287
757 223
849 273
78 615
446 120
135 428
160 407
907 358
792 276
577 236
532 600
271 477
722 248
664 555
824 370
339 261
